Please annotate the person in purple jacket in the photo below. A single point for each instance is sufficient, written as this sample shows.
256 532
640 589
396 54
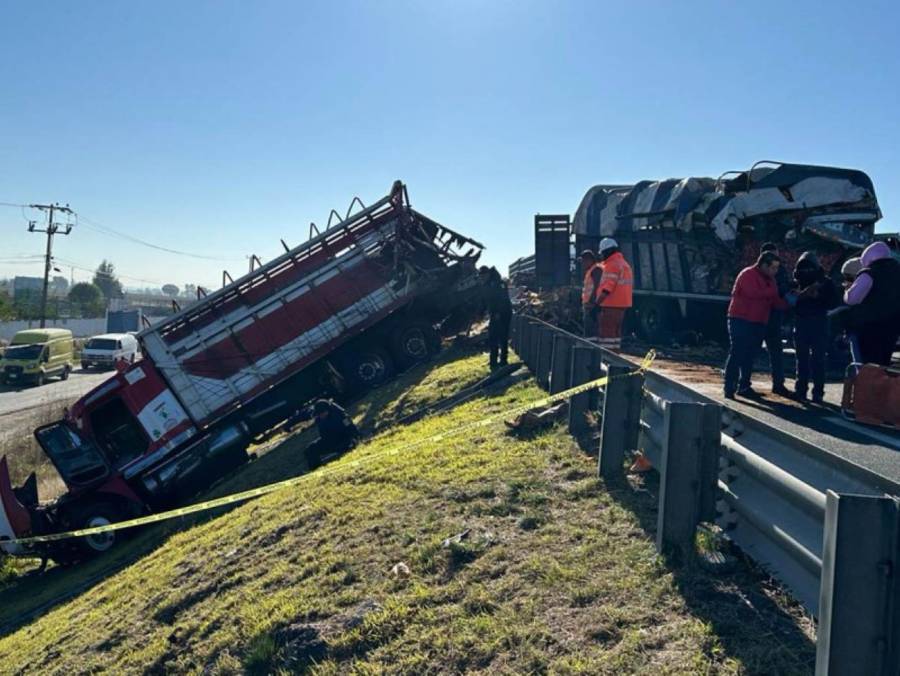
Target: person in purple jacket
874 301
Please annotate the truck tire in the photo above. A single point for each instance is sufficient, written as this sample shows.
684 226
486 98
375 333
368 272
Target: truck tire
39 378
88 515
413 342
366 367
656 321
65 373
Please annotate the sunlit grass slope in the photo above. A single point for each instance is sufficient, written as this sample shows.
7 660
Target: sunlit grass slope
551 575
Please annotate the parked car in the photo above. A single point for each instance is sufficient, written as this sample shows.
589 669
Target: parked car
109 349
37 354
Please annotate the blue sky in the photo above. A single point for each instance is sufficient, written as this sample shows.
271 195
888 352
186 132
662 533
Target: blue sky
219 127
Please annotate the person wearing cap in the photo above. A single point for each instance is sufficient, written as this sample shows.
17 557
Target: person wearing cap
614 294
499 309
589 309
774 333
337 432
817 295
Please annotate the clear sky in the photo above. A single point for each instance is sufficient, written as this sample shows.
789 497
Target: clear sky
219 127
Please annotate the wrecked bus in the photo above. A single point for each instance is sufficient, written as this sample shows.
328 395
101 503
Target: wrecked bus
344 310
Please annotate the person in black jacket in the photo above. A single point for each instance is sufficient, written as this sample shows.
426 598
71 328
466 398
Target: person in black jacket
817 295
499 309
337 432
773 337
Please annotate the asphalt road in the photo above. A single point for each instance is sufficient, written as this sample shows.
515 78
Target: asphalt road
18 397
875 448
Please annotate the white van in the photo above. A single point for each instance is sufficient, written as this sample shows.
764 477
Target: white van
108 350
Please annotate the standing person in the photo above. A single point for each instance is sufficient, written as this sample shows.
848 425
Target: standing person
817 295
499 309
849 271
614 295
754 295
337 432
874 298
589 309
774 332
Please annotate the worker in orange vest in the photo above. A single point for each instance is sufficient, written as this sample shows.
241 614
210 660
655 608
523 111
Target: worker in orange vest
589 309
613 294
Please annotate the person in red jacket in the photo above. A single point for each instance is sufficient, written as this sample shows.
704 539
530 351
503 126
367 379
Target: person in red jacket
754 296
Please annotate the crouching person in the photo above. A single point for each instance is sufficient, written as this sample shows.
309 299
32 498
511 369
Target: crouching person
337 432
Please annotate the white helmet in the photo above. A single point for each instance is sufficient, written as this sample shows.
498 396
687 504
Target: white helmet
607 243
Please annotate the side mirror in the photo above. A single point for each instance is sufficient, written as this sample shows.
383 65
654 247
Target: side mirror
45 356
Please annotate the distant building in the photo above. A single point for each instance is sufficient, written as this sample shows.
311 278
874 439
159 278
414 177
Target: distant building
24 286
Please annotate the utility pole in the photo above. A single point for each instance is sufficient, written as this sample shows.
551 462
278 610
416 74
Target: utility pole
51 229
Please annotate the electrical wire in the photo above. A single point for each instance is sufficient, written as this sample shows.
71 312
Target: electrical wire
78 266
99 227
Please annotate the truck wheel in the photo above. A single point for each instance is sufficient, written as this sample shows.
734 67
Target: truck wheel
656 321
89 516
367 367
65 373
412 343
39 379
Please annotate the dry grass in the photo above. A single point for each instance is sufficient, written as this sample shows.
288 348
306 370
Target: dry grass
556 573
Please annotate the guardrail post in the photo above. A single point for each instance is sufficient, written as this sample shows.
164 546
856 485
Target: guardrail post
534 337
621 418
859 599
545 356
688 473
561 364
584 360
514 332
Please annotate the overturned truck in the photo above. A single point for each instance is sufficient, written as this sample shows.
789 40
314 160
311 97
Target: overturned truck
687 239
340 313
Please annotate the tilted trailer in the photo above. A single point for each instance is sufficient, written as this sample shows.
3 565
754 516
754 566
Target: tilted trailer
341 312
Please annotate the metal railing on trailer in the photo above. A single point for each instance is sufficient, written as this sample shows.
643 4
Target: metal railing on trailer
828 529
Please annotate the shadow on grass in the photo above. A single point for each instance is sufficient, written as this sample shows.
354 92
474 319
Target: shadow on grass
34 594
754 620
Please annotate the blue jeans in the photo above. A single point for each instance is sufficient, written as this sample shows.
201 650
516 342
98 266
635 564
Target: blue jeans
745 338
775 348
811 343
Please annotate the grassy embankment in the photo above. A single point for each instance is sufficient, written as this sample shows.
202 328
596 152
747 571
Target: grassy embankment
557 572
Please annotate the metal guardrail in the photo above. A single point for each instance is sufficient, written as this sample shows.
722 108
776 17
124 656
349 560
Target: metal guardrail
826 528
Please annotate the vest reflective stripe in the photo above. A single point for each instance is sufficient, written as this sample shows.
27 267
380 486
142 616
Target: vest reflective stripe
617 281
587 287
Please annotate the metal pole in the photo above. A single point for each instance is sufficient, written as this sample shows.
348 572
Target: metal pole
687 475
582 361
859 599
621 419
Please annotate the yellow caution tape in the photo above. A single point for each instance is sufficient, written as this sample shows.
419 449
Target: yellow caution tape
207 505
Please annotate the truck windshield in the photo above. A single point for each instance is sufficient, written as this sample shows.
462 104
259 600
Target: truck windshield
24 351
77 460
101 344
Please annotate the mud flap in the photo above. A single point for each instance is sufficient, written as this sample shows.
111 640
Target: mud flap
15 520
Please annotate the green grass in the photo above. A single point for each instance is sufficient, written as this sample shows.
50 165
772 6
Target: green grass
556 573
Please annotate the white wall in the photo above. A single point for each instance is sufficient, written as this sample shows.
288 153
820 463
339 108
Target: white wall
80 328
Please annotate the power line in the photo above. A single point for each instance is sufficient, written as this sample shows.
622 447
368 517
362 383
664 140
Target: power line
97 272
11 204
99 227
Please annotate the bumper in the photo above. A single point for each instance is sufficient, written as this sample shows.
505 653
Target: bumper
15 519
18 375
